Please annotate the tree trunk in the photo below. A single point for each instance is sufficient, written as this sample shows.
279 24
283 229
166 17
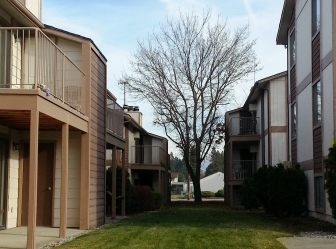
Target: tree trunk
197 189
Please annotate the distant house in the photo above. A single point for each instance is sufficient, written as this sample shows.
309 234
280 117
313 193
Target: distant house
213 182
174 177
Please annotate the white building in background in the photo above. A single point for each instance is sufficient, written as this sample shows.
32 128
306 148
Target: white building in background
213 182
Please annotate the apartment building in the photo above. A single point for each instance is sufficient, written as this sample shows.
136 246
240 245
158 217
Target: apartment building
307 30
255 134
56 121
147 153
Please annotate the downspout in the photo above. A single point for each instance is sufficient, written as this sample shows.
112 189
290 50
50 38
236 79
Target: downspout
262 129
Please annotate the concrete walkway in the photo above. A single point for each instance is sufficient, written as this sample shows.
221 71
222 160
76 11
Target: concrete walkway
17 237
308 243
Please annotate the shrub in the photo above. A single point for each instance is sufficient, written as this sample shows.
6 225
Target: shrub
157 201
207 194
220 193
248 195
280 191
330 177
129 205
142 198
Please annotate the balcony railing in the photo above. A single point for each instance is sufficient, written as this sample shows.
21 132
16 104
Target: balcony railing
30 60
115 118
243 169
147 154
244 126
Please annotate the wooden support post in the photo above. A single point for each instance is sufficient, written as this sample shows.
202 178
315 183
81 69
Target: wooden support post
84 182
64 180
114 185
160 182
32 187
123 183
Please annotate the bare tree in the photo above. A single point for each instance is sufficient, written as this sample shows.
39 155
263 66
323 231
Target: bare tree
186 71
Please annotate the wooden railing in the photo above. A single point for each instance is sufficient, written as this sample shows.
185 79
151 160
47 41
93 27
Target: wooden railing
30 60
115 118
147 154
244 126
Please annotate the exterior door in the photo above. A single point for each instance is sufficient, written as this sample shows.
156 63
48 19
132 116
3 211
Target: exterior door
44 184
3 182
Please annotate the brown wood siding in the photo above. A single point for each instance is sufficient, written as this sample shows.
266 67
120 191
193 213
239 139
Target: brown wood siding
293 84
97 141
317 150
316 57
294 152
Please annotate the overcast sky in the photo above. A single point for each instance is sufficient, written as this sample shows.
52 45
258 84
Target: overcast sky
116 25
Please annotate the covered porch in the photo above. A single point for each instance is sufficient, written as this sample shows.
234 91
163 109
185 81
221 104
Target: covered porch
45 137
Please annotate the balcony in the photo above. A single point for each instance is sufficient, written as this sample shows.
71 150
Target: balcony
147 154
243 169
244 126
114 118
30 60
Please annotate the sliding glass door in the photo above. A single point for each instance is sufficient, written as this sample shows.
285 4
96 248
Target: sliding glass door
3 182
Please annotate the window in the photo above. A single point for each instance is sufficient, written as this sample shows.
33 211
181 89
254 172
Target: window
317 103
316 16
319 192
293 120
292 53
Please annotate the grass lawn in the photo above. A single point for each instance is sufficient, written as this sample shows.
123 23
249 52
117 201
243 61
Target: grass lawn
188 227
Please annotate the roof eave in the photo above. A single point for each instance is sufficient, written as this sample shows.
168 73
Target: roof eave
285 20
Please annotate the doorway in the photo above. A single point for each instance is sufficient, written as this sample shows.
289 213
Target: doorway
3 182
46 158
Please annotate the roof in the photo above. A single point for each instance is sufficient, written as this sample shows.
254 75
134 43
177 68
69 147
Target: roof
21 13
260 85
75 35
214 175
285 21
174 175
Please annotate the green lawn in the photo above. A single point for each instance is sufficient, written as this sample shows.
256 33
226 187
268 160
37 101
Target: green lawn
188 227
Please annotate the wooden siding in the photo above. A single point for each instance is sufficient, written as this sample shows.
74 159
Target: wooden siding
97 141
293 84
294 152
316 67
317 150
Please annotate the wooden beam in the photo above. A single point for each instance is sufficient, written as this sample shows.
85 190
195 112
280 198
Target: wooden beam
64 180
32 187
114 185
84 182
123 183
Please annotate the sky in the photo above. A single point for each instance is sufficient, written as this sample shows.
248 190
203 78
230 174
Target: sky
116 26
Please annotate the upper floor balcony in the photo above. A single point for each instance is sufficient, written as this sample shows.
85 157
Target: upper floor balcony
115 118
30 60
243 169
147 154
244 126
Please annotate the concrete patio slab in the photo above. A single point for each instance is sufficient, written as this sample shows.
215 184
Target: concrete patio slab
16 238
308 243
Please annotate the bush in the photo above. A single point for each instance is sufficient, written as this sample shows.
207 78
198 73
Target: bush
157 201
142 198
248 195
129 205
280 191
219 193
330 177
207 194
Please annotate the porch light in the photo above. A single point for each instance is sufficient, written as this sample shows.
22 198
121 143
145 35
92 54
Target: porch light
16 146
